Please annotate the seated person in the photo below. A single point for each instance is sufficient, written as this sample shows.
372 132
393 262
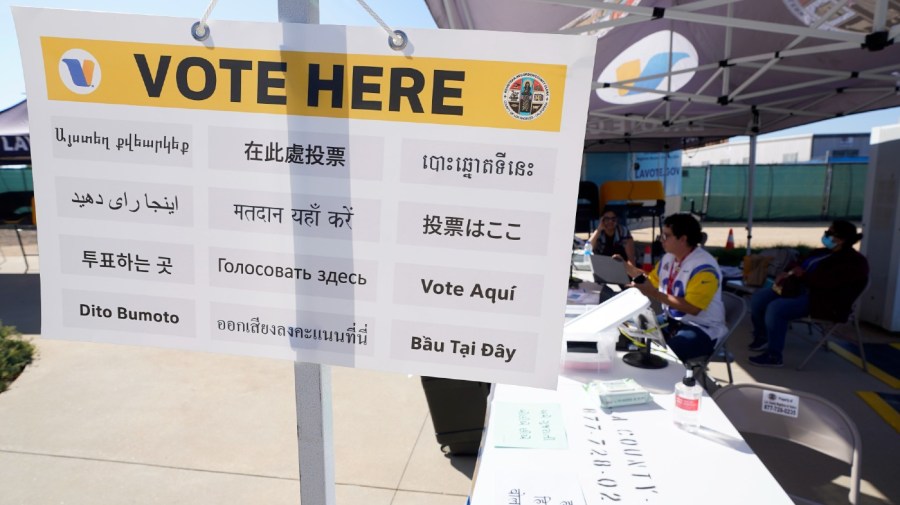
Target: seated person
823 286
612 238
687 282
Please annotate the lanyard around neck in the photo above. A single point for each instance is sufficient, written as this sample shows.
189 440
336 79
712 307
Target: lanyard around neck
676 269
673 273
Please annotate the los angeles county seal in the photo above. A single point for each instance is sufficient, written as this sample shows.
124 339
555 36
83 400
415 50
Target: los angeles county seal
526 96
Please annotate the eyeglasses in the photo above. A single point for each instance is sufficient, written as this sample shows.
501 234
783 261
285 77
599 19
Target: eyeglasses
829 233
663 236
610 218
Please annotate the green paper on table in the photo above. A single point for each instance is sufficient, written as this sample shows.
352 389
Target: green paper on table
529 425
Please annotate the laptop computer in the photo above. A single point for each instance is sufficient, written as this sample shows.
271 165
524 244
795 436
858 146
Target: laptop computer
609 270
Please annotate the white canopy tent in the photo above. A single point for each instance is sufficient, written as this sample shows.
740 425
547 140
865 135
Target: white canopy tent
674 74
15 148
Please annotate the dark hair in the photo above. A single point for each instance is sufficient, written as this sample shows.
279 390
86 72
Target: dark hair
846 231
609 208
685 225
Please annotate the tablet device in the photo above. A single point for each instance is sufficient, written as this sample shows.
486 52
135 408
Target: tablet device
609 270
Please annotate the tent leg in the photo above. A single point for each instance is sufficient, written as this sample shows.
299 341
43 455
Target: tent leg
751 176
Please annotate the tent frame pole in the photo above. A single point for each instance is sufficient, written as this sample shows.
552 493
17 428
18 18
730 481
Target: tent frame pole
751 176
682 14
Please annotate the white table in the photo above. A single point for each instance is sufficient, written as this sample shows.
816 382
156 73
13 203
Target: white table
631 454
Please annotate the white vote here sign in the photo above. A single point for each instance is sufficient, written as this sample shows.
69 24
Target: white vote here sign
305 192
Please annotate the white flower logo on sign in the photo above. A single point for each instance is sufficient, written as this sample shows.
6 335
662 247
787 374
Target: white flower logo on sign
649 57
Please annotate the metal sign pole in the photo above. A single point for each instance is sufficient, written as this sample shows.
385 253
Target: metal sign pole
312 386
298 11
312 382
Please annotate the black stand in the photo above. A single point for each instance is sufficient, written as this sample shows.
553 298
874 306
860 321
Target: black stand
574 282
643 359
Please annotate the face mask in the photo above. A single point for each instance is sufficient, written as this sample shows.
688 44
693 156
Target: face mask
828 242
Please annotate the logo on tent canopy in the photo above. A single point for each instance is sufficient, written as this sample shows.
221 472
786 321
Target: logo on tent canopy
645 65
79 71
526 96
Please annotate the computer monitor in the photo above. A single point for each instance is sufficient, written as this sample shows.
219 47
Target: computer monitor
609 269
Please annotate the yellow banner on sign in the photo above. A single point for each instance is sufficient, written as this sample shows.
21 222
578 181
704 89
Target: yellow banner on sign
497 94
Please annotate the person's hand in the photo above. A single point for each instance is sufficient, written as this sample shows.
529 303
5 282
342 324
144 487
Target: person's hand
780 277
644 287
632 270
798 271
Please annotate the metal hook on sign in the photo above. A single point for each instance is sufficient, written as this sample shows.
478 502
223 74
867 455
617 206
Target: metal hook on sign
200 31
398 40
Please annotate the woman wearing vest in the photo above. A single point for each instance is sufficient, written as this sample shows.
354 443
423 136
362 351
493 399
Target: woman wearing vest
612 238
687 282
823 286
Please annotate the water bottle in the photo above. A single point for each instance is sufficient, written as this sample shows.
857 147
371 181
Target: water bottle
588 250
687 402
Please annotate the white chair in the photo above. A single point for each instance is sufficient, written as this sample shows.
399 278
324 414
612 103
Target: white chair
819 425
735 309
827 329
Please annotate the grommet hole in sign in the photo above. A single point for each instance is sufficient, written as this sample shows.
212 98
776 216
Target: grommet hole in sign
200 30
397 39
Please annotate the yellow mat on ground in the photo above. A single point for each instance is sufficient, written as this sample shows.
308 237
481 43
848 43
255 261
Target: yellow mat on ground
883 360
887 405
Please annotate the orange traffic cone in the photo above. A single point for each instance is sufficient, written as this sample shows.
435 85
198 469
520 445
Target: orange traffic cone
729 244
647 263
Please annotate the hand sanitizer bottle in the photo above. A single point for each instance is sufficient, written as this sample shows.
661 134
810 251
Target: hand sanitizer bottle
687 402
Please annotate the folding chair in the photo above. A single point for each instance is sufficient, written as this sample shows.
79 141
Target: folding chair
735 310
827 329
818 425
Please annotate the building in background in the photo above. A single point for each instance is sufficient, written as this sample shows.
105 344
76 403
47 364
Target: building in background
799 177
821 148
16 186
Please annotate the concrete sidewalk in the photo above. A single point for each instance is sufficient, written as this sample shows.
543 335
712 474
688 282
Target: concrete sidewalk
98 424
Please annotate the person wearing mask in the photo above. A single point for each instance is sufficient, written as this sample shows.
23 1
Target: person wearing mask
612 238
823 286
688 283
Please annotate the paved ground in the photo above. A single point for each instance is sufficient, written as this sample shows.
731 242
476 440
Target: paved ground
100 424
12 259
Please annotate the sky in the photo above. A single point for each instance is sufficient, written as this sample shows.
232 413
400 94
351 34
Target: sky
396 13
